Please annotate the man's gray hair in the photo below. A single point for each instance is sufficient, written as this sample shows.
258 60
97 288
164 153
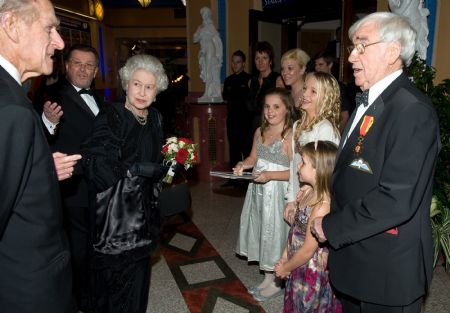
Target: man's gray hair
391 28
24 8
147 63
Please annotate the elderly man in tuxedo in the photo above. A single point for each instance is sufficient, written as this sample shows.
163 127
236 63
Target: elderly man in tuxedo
379 225
34 253
68 116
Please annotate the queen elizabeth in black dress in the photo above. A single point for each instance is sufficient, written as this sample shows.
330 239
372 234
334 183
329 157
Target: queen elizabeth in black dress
122 162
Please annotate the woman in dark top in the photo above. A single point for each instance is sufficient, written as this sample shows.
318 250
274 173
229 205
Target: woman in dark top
260 83
122 164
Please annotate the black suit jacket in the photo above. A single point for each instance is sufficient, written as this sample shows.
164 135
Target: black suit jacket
74 128
34 256
379 225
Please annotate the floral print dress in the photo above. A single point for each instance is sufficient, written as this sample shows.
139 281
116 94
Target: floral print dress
308 287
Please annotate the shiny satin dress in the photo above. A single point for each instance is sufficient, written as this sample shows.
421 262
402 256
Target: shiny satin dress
263 231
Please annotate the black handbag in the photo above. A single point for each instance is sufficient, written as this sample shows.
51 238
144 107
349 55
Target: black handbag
120 218
174 199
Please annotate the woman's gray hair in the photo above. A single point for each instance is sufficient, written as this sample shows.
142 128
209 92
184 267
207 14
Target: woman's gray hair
391 28
147 63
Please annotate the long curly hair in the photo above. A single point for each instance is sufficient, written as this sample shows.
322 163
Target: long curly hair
328 105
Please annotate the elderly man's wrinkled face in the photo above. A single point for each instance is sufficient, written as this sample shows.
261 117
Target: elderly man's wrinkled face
38 42
372 65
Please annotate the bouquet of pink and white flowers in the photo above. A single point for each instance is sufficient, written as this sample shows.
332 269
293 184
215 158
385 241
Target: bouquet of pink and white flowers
180 151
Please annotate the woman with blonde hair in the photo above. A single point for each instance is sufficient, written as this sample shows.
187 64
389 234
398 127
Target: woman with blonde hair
293 66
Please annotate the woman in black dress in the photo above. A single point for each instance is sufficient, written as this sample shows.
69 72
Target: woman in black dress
122 161
264 80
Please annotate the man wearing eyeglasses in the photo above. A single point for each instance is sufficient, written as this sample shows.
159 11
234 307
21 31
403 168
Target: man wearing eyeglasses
69 116
379 229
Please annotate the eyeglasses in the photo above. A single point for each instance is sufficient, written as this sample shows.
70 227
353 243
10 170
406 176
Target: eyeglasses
361 47
87 66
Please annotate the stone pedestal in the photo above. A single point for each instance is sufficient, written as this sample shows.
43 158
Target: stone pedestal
207 126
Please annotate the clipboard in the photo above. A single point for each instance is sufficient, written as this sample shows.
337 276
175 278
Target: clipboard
231 175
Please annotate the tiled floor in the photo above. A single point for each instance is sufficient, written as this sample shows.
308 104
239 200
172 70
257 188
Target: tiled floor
179 276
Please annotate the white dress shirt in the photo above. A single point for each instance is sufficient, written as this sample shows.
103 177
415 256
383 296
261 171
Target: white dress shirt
374 92
11 69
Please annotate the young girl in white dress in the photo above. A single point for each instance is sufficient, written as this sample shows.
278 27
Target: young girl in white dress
263 231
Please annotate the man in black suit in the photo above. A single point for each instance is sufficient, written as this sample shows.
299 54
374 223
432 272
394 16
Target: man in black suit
379 225
68 117
235 92
34 254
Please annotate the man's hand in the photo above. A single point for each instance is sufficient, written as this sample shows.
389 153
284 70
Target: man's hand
316 229
64 164
52 112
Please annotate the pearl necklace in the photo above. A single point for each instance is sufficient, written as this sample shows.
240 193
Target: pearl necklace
140 119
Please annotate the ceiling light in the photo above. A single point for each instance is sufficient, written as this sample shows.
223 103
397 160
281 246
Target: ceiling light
145 3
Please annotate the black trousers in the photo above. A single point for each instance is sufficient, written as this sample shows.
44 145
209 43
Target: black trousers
124 288
352 305
77 228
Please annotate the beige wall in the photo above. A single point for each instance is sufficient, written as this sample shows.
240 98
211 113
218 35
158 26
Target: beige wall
237 30
441 59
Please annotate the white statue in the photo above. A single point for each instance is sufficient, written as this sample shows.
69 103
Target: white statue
209 57
417 16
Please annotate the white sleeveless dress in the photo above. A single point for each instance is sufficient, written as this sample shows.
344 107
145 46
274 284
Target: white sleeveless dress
263 231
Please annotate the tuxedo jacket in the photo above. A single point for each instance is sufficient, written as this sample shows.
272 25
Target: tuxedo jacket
74 128
379 225
34 257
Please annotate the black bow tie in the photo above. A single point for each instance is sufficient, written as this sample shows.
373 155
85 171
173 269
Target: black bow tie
86 91
362 98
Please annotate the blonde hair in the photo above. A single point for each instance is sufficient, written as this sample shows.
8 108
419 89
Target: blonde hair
328 105
322 155
298 55
286 99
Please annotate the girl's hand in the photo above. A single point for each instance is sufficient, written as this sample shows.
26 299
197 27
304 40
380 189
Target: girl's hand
289 212
261 177
280 271
238 169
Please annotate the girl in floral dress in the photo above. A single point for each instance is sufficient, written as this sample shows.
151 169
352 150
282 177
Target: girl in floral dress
304 261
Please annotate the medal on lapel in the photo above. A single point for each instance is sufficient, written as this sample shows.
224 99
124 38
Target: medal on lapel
363 130
358 163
